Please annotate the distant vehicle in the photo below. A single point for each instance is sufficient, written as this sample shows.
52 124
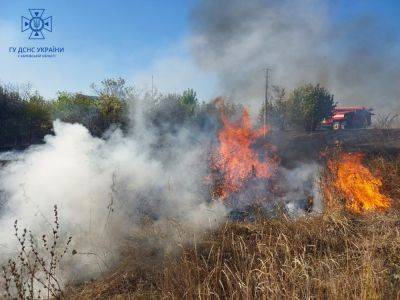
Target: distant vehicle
348 118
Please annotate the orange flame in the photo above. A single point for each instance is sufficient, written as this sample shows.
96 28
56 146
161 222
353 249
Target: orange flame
359 186
236 159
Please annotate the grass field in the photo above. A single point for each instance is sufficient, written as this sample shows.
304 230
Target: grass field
335 255
329 256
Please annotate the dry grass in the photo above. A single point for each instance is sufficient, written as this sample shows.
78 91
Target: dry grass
338 256
335 255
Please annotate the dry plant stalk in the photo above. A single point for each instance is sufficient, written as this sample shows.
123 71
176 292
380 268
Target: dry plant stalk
33 273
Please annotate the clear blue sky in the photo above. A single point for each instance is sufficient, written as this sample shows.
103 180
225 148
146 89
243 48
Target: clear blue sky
132 39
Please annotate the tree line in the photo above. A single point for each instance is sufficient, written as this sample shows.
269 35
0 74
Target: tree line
304 108
26 119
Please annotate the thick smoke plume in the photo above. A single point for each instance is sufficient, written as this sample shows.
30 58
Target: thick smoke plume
355 56
102 188
107 188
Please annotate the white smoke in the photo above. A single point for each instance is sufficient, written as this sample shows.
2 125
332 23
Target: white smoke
102 188
301 183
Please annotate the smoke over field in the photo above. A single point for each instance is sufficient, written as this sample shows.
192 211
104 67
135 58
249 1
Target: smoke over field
301 41
126 194
106 188
159 188
103 188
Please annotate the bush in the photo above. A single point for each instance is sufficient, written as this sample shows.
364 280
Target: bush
78 108
112 112
189 101
97 113
308 105
38 115
23 121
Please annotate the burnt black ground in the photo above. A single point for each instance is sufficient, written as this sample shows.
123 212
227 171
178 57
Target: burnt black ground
294 146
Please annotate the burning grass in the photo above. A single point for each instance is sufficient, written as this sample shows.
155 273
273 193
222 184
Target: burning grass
235 161
338 254
351 250
355 183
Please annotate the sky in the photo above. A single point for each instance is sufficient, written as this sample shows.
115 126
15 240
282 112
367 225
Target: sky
137 40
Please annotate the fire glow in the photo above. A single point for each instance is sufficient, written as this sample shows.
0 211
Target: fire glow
235 159
359 186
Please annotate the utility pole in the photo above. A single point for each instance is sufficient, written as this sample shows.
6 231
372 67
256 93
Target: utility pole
267 71
152 87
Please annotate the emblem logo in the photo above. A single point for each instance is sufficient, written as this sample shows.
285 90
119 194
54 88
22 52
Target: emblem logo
36 24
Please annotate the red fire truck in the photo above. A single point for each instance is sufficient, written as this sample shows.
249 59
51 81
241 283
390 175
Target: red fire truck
348 118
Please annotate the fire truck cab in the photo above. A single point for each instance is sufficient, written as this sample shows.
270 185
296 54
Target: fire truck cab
348 118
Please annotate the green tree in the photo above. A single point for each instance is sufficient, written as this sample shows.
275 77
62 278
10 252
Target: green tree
112 110
78 108
189 101
114 87
12 111
308 105
38 115
112 98
23 121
